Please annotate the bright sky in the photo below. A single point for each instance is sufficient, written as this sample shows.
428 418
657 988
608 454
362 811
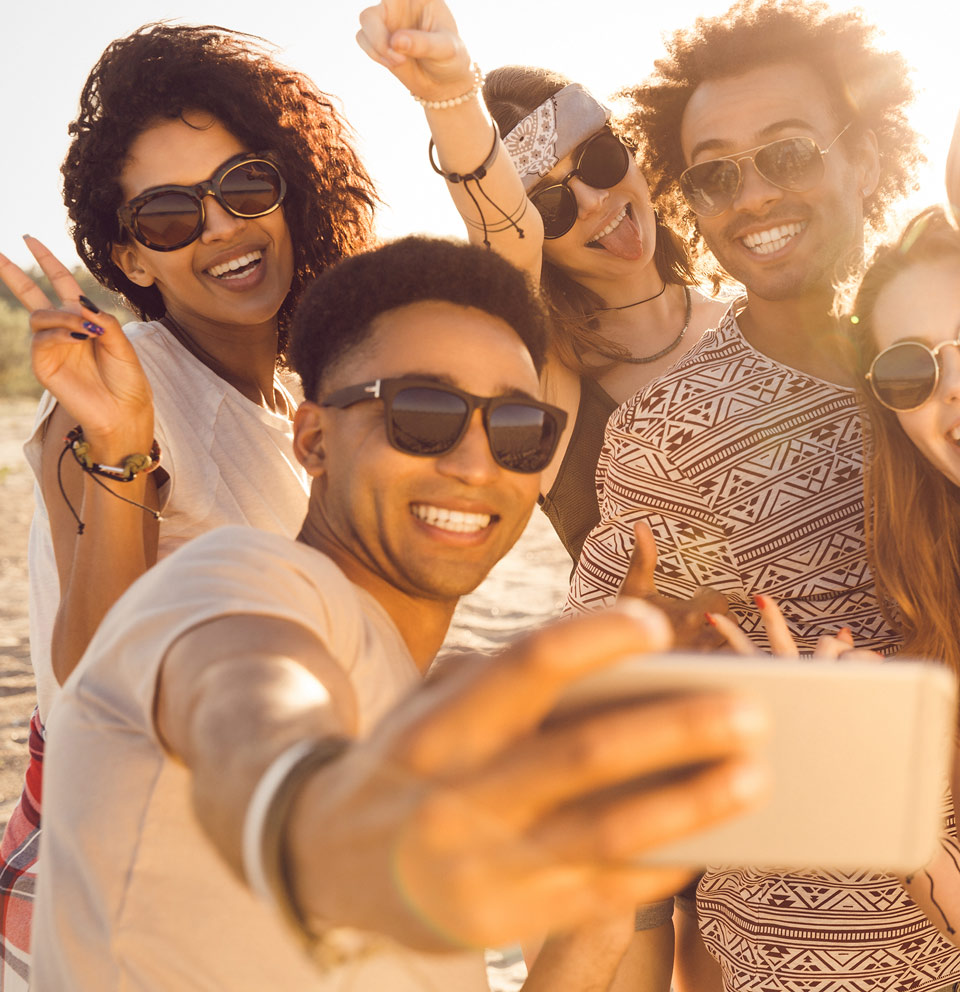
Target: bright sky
603 44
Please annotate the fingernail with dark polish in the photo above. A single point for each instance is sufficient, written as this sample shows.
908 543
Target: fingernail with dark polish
89 304
80 336
92 328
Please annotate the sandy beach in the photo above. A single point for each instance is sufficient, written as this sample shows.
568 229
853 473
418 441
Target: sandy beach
17 695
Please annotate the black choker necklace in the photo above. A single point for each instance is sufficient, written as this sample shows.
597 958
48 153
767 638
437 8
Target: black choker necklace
626 306
674 343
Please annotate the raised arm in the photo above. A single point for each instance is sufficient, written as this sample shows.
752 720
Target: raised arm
83 358
417 40
463 818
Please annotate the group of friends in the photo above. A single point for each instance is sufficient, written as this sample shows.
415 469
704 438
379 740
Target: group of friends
244 773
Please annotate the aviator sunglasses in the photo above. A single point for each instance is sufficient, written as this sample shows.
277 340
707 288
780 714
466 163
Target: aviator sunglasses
424 417
602 163
794 164
166 218
905 375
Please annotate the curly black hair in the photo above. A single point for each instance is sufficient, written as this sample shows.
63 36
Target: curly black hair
161 70
336 313
867 86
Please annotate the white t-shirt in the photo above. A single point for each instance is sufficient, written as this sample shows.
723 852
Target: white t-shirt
229 461
132 894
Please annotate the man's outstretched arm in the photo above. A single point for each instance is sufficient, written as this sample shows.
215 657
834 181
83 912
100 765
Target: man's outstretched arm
463 819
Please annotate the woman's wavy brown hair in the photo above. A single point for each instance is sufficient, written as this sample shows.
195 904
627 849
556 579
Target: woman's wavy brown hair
912 509
162 70
867 87
510 93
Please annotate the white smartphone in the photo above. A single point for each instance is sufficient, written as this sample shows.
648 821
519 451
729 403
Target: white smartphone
860 754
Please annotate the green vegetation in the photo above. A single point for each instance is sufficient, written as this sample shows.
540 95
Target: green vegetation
16 377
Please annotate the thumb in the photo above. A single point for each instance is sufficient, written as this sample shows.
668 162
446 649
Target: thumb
639 579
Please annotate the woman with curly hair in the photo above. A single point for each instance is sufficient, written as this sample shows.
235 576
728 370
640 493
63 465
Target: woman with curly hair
207 184
562 197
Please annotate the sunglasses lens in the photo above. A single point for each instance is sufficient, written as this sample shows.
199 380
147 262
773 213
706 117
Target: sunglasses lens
523 437
792 163
168 220
604 161
558 208
427 421
251 189
710 187
904 376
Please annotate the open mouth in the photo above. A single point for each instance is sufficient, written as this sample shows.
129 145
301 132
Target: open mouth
610 228
621 237
236 268
456 521
772 240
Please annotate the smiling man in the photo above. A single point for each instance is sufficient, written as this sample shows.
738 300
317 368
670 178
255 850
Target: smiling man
247 759
780 128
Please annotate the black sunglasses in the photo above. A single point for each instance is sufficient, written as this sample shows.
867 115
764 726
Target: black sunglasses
905 375
794 164
603 162
424 417
166 218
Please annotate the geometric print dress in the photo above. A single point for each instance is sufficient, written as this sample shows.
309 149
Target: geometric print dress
750 474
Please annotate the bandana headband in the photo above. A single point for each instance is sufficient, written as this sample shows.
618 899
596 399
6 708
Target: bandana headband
547 134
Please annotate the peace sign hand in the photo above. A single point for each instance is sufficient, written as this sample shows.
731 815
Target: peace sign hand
83 358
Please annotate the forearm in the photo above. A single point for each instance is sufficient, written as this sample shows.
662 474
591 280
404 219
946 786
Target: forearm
233 694
464 138
118 544
584 960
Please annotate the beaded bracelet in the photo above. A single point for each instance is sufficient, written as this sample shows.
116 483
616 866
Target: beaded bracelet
454 101
133 465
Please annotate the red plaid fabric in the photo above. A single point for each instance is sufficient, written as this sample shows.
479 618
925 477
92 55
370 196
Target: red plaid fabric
18 871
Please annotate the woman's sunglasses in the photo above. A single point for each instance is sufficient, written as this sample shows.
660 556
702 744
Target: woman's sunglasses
427 418
602 163
794 164
166 218
905 375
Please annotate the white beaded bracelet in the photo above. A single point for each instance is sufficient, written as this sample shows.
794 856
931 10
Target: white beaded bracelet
454 101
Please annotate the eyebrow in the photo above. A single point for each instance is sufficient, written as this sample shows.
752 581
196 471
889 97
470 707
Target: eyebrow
716 144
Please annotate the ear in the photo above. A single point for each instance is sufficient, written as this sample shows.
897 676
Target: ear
308 423
868 160
127 259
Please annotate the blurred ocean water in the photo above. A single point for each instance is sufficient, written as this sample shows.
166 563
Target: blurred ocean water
525 589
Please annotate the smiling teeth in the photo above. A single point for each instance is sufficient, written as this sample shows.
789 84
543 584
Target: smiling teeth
955 433
767 242
453 520
235 263
612 226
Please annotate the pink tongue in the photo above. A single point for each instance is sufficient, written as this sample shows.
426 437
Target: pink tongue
624 241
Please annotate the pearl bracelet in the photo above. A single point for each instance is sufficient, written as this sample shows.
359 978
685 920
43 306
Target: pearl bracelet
454 101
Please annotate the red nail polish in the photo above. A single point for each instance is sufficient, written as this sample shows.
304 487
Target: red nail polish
761 601
845 632
710 619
